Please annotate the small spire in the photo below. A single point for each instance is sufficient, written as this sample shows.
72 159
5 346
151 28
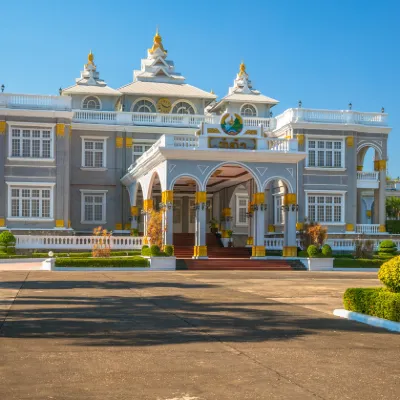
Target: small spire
212 91
91 59
242 68
157 43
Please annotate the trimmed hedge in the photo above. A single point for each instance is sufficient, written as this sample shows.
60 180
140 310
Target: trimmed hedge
357 262
4 256
154 250
393 226
87 254
312 251
387 247
146 251
326 250
389 274
112 262
169 250
378 302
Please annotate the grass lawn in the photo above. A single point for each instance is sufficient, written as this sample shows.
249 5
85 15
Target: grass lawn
358 263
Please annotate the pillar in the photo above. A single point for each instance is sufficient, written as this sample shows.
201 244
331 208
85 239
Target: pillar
259 206
250 238
200 247
380 165
167 200
290 245
147 208
226 224
135 218
3 189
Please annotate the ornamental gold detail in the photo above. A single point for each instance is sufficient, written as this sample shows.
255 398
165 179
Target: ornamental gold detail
259 198
119 142
300 139
350 141
2 127
289 251
213 130
60 129
251 132
200 197
128 142
289 199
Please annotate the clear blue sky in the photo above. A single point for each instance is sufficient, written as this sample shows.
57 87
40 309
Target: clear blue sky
326 53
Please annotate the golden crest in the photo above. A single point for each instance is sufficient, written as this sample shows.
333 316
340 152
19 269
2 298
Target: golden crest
164 105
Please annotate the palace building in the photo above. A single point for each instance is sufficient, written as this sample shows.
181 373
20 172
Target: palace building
96 155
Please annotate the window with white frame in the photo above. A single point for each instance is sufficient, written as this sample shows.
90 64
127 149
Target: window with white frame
183 108
325 208
31 143
138 149
325 153
144 106
93 207
93 153
248 110
91 103
279 214
241 209
30 202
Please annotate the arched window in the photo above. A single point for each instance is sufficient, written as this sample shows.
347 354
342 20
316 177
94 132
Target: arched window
91 103
248 110
182 108
144 106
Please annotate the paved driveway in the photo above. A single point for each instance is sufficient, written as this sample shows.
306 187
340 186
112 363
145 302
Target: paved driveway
190 335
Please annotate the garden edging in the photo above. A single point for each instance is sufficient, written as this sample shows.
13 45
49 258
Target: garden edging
368 319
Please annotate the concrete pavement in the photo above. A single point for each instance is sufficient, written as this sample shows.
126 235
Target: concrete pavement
197 335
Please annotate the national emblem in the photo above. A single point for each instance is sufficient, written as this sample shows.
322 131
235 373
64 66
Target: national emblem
232 126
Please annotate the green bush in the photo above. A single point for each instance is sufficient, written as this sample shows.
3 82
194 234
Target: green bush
326 250
302 253
154 250
135 232
378 302
387 247
393 226
169 250
312 251
111 262
5 256
7 242
350 262
146 251
389 274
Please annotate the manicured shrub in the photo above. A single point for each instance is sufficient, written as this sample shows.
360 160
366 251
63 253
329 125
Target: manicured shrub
146 251
169 250
109 262
387 247
155 250
312 251
378 302
135 232
302 253
326 250
7 242
389 274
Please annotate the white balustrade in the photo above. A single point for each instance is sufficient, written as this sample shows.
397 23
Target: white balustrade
368 175
367 228
34 242
95 117
36 102
255 121
185 141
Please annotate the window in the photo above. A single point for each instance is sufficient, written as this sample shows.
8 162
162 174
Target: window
279 214
31 143
30 202
93 207
183 108
248 110
139 149
144 106
241 209
325 153
93 153
91 103
325 208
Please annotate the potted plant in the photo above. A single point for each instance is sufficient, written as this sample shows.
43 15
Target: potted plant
213 223
230 233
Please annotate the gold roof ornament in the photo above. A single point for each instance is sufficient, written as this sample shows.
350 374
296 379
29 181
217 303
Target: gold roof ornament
157 43
242 69
90 59
212 91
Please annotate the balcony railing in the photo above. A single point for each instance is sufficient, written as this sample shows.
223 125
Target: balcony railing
298 115
368 176
367 228
35 102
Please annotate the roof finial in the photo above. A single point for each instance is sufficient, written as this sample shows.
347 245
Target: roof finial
90 59
242 68
157 43
212 91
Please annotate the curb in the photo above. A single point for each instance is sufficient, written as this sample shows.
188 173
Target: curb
356 269
368 319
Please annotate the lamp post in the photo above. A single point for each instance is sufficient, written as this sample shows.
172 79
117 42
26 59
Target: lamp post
350 106
2 88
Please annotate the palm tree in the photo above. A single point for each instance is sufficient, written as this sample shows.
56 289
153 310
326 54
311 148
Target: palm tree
393 207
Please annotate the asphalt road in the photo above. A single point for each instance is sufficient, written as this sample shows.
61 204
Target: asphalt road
190 335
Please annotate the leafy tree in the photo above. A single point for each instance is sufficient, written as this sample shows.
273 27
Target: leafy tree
393 207
154 228
313 234
7 242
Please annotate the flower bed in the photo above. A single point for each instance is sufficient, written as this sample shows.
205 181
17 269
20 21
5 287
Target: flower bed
98 262
378 302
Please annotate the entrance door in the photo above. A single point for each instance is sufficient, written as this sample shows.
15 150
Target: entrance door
177 216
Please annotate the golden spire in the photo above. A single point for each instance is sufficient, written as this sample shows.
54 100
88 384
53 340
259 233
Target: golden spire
90 59
242 69
212 91
157 43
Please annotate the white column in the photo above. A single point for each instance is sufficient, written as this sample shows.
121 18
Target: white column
258 250
382 196
290 245
200 247
167 199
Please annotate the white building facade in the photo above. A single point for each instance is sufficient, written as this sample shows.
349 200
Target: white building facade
101 156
